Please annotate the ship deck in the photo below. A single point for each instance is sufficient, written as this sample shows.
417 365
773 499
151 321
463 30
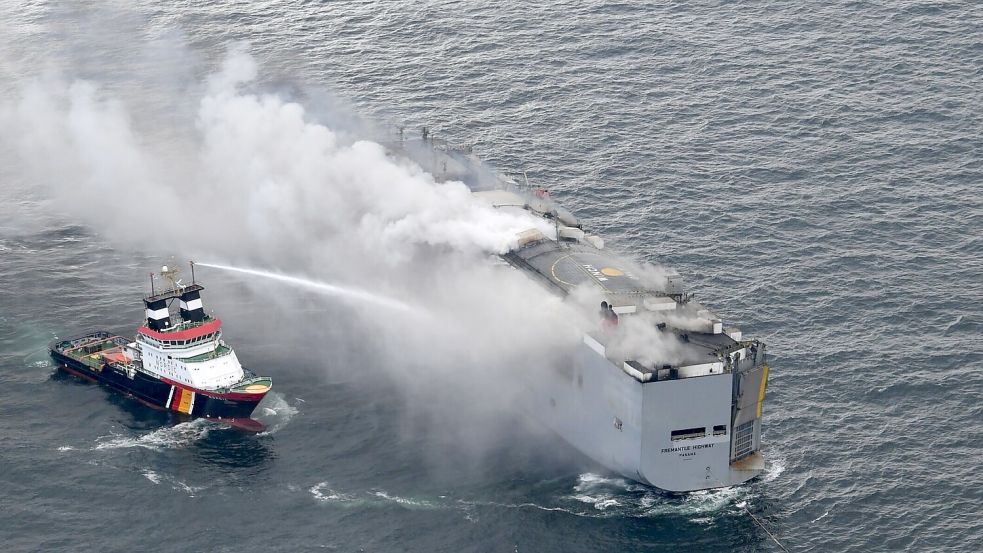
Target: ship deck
573 262
569 265
93 349
219 351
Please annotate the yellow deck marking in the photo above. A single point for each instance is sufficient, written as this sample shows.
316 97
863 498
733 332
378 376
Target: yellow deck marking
557 262
612 272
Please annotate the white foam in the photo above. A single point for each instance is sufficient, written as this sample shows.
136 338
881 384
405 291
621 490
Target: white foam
168 437
324 494
405 501
953 324
775 468
190 490
176 484
824 515
605 503
589 480
276 413
621 497
536 506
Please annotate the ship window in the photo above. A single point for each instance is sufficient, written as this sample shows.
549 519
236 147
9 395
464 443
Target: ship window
720 430
689 433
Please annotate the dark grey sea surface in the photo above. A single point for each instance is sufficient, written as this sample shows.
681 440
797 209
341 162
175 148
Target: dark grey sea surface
815 170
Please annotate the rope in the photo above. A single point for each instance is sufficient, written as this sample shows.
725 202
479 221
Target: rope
754 518
762 526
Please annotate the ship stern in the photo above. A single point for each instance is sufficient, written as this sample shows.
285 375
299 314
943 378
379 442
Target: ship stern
702 432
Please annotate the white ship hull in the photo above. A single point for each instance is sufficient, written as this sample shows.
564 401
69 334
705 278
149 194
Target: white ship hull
684 421
626 425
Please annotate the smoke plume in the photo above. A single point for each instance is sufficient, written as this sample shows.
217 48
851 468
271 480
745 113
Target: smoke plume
223 170
257 181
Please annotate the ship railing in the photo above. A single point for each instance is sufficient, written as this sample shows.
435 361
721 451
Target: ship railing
245 382
755 357
221 351
87 348
72 345
129 368
187 325
173 292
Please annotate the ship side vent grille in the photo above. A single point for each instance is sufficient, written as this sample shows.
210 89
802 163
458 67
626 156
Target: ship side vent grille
744 440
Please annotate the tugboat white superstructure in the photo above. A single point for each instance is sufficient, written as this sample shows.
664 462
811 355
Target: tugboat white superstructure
689 423
181 365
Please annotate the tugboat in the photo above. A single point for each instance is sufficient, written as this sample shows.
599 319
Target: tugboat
177 362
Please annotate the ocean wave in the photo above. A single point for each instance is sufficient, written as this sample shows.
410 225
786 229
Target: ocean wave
176 484
407 502
324 494
276 413
620 497
774 469
592 496
168 437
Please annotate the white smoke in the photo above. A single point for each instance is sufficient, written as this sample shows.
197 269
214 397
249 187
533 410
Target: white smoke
258 181
264 172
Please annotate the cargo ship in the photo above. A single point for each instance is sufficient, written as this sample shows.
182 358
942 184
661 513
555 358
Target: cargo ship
690 420
177 361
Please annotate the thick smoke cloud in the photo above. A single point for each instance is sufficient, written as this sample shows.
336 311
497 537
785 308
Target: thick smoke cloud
256 181
262 173
252 179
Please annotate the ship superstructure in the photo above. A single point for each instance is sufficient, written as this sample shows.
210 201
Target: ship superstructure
178 360
683 421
